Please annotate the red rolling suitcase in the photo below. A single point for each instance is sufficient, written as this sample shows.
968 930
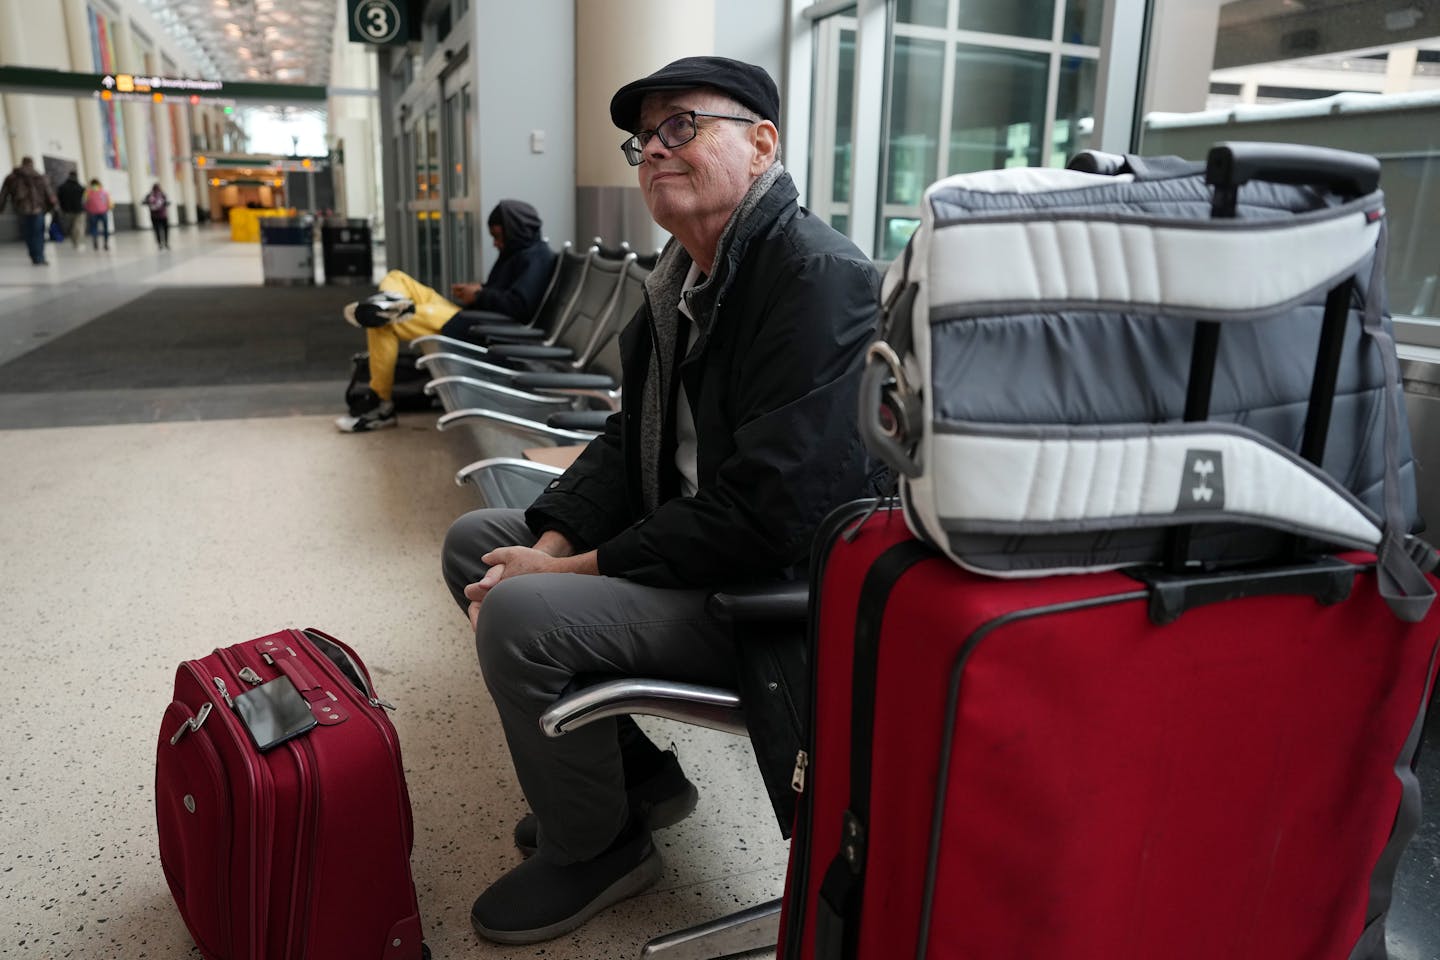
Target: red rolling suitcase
299 850
1141 688
1032 768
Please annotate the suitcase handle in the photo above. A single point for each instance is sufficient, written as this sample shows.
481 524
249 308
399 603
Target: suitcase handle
296 671
1231 164
194 723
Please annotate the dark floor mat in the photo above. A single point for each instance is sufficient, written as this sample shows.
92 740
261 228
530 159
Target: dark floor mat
198 336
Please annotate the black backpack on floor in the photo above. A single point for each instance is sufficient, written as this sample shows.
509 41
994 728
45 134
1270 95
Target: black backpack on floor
409 393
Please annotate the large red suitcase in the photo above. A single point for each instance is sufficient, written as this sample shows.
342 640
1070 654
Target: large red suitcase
300 852
1034 768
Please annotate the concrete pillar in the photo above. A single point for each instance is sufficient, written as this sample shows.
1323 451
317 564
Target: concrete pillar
7 161
1182 54
353 123
87 113
184 165
165 156
22 126
623 40
1400 69
130 59
1249 91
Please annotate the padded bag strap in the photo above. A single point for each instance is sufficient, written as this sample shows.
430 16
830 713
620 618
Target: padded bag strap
1403 584
1141 168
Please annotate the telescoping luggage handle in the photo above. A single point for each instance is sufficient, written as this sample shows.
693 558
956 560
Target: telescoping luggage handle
1227 168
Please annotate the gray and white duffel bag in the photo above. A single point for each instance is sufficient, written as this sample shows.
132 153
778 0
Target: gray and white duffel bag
1140 361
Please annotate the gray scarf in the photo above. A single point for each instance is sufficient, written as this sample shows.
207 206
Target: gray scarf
663 286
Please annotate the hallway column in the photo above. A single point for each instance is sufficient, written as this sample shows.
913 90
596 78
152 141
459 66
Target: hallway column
137 116
87 114
186 174
22 126
623 41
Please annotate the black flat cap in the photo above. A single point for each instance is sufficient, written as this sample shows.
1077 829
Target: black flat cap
744 82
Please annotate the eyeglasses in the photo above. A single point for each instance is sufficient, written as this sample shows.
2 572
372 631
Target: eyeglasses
673 132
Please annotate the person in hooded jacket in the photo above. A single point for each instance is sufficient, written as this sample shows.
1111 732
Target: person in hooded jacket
405 308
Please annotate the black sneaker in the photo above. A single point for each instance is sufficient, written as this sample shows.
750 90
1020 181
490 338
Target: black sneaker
661 800
539 900
378 309
377 419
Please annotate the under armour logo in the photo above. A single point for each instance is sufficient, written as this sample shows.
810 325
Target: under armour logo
1202 483
1201 490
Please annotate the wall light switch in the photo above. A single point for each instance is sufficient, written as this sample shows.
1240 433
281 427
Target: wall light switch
537 141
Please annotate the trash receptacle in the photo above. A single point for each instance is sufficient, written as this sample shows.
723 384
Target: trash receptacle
287 251
346 252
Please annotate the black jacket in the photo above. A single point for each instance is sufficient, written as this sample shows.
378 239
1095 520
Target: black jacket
520 275
773 384
71 194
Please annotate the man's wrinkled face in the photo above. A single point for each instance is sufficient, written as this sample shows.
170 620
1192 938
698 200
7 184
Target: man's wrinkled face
704 178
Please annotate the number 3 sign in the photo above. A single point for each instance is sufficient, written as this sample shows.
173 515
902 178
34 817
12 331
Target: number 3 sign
377 22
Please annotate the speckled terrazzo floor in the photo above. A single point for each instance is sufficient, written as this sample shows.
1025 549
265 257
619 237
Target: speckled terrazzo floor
130 547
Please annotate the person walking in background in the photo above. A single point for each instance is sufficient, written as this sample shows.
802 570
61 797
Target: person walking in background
159 205
30 192
72 205
97 214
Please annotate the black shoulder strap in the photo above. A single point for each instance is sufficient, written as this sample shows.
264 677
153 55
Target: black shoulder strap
837 921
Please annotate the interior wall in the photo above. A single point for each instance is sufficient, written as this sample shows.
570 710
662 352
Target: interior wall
753 31
353 120
523 57
624 40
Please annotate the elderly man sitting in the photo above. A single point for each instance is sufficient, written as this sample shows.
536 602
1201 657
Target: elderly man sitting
737 437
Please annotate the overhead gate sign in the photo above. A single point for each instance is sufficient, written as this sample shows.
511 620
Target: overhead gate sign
379 22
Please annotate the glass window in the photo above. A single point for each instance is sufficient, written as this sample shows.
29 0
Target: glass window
430 236
997 115
897 234
1082 22
912 145
928 13
1074 109
844 120
1302 73
1016 18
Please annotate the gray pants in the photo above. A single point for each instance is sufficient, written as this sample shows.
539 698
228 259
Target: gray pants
537 633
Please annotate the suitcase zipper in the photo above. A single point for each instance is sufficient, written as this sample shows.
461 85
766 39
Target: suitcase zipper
297 936
382 723
262 813
799 883
260 854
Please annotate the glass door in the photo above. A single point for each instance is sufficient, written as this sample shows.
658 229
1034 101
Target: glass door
422 207
832 141
461 202
429 211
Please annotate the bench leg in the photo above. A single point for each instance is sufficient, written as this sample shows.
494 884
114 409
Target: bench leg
754 928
